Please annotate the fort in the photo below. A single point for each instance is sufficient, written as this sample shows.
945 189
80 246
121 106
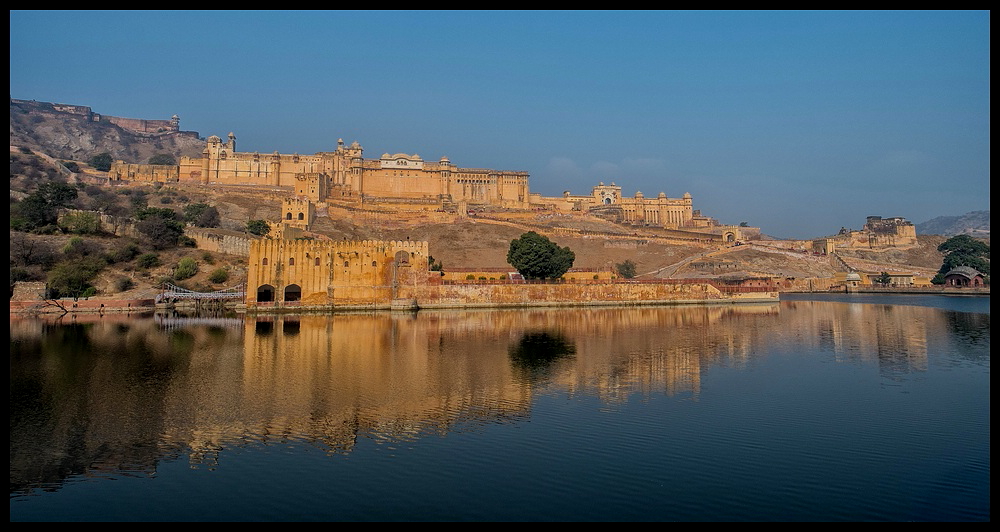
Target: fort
408 181
138 126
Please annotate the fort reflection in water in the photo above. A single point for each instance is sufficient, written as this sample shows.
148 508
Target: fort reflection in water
122 394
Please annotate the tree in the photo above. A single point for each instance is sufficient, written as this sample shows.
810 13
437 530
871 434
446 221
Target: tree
963 250
202 215
72 278
536 257
626 269
101 161
160 227
883 279
220 275
163 159
185 269
40 207
258 227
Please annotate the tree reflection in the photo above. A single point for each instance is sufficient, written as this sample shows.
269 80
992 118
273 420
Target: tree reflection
534 354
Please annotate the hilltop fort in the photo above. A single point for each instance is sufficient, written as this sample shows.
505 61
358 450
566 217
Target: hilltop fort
408 182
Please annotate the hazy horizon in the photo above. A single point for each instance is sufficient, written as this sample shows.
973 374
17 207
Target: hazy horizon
797 122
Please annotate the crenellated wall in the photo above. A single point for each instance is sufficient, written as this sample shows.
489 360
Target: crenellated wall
377 274
315 272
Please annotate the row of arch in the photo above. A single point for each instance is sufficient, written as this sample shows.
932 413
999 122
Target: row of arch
266 292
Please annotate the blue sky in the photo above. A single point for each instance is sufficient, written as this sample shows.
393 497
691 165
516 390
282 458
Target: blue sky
797 122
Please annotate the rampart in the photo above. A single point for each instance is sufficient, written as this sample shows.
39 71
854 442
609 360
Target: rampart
221 241
376 274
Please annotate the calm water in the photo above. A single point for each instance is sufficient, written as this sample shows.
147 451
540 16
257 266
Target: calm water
842 409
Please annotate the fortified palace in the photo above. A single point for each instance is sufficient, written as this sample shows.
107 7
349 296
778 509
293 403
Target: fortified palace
408 180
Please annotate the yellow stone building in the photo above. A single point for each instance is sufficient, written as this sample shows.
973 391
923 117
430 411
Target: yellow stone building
342 173
401 179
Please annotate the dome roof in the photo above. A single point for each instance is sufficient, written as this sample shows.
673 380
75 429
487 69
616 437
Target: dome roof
965 271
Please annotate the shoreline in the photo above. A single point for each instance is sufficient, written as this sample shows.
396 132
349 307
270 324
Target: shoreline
144 306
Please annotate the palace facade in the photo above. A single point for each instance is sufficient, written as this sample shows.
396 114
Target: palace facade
342 173
401 179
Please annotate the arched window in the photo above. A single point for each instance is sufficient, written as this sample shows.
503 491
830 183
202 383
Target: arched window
291 261
302 216
263 262
346 264
317 261
288 216
374 264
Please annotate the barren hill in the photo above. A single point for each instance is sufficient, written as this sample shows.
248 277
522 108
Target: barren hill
54 130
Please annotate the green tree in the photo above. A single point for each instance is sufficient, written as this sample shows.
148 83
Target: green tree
884 279
202 215
163 159
160 227
536 257
72 278
41 207
185 269
82 223
258 227
963 250
147 260
626 269
220 275
101 161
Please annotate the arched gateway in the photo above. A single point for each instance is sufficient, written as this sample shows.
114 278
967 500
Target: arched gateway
366 272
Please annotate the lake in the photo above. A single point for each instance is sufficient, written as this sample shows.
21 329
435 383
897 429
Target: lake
842 408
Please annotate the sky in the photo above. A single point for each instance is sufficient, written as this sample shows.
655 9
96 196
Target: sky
796 122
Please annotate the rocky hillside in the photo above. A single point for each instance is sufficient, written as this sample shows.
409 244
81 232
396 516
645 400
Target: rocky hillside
40 127
975 223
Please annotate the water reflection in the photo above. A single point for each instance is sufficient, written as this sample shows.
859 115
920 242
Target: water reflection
117 396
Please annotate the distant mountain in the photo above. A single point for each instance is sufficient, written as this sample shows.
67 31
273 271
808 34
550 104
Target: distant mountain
975 223
75 132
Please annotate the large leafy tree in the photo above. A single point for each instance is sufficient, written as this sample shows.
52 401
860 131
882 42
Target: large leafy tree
963 250
160 227
41 207
537 257
258 227
163 159
202 215
102 161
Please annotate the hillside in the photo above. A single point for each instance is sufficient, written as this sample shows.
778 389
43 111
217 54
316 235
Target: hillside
975 224
41 127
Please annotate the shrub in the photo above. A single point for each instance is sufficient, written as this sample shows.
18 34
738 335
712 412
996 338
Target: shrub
123 253
148 260
72 278
186 268
163 159
82 223
258 227
219 276
124 284
470 277
626 269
